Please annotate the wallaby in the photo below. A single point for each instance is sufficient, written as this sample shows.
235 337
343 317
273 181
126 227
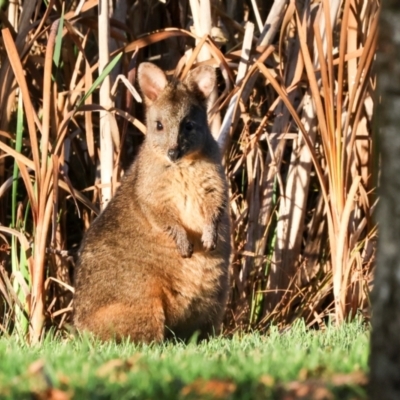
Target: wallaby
154 264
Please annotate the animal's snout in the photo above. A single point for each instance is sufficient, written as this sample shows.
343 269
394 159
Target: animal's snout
173 153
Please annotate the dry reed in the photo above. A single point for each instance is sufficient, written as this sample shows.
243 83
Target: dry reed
296 98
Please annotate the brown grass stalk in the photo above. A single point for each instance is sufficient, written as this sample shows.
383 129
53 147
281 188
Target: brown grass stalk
296 137
106 142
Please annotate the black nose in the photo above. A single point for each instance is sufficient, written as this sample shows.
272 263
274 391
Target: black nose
173 154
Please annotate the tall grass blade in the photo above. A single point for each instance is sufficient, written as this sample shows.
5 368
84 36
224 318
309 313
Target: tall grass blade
106 71
18 265
58 44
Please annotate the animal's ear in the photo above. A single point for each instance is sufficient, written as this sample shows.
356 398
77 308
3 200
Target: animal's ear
202 80
152 81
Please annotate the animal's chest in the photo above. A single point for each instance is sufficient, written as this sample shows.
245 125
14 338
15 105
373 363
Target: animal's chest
192 196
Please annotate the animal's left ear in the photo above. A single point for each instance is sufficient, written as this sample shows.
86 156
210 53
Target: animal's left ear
201 80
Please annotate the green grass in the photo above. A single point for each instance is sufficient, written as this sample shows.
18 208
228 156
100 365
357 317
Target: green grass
243 367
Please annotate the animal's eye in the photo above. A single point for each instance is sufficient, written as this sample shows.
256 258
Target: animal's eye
189 125
159 126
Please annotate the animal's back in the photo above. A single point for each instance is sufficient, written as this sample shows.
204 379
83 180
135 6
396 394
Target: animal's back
132 279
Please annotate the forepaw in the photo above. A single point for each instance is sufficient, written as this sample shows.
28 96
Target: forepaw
183 245
209 237
185 248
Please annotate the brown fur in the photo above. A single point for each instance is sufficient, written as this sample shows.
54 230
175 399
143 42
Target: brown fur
155 263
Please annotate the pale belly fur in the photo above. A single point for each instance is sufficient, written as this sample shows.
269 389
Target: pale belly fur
192 200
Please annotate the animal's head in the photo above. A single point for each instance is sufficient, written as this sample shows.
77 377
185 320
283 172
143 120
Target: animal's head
176 115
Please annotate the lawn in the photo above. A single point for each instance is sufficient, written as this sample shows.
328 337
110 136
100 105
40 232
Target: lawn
299 363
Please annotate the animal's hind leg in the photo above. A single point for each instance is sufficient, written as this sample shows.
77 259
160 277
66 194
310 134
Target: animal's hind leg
143 322
211 328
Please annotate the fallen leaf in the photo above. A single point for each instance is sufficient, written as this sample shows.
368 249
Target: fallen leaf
63 379
267 380
41 379
319 389
52 394
310 390
43 388
36 367
306 374
217 389
356 378
116 370
111 366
